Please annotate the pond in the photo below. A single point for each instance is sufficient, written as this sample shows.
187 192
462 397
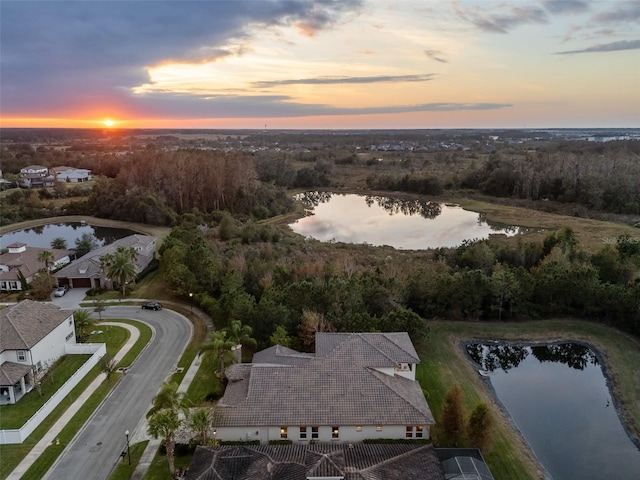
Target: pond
43 235
558 397
400 223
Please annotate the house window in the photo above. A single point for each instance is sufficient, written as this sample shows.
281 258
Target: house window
70 321
22 355
283 433
335 432
379 428
359 428
314 432
419 431
303 433
409 433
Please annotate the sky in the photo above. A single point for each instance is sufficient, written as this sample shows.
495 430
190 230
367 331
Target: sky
320 64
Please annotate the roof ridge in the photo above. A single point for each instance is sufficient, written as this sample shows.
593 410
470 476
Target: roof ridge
395 458
17 330
379 375
372 345
390 338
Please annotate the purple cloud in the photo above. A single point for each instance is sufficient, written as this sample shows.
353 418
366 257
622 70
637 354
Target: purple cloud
607 47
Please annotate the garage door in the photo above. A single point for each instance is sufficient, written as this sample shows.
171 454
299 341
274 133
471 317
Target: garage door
81 283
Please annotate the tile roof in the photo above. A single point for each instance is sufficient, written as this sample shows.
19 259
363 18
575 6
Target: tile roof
11 373
23 325
341 388
27 261
299 462
88 266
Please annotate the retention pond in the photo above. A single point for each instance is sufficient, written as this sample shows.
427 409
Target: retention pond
558 397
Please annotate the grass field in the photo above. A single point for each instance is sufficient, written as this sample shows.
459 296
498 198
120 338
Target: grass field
444 364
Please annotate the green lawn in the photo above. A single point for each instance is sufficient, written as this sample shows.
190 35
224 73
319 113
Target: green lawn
444 364
124 471
14 416
12 455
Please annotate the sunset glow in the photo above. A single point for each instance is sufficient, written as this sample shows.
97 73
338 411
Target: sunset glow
342 64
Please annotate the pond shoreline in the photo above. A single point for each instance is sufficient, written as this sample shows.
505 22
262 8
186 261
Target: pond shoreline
624 419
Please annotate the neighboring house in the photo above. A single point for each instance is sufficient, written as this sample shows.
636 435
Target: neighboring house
306 462
33 335
22 258
36 176
356 386
71 175
85 272
338 462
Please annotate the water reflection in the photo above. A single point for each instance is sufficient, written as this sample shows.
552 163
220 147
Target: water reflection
42 236
506 357
558 397
401 223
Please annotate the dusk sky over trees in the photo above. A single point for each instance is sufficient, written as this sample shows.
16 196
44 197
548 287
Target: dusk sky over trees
320 64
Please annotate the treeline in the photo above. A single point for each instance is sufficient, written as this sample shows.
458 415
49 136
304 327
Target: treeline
603 178
269 282
156 187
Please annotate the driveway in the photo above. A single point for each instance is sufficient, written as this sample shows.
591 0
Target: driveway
95 451
71 299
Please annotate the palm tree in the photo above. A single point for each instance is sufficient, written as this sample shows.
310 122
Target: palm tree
241 335
200 422
59 243
220 346
84 323
165 423
46 257
168 398
120 266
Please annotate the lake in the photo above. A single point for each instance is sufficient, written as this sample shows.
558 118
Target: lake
43 235
558 397
400 223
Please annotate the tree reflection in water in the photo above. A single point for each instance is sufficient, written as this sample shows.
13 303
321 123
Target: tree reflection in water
503 356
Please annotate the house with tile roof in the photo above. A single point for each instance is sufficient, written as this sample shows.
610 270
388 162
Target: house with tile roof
326 461
21 258
33 335
86 272
356 386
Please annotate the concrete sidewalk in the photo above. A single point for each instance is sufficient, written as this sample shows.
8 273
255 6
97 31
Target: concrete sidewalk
141 430
51 437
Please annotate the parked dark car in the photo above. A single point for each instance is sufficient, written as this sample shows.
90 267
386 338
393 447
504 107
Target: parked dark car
152 306
60 291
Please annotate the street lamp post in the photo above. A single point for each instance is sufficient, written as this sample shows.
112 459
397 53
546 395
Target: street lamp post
126 433
191 301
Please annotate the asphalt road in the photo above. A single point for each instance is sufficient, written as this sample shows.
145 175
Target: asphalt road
96 449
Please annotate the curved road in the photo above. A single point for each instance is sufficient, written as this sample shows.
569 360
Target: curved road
94 452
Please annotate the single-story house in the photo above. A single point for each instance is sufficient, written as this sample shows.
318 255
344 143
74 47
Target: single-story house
24 259
33 335
71 174
85 272
355 461
356 386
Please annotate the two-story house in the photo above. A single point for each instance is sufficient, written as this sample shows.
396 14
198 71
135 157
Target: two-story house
356 386
33 335
36 176
20 258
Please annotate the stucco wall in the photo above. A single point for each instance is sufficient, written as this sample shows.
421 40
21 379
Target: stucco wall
347 433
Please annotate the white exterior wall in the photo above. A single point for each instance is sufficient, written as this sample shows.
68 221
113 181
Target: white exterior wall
52 347
409 372
348 433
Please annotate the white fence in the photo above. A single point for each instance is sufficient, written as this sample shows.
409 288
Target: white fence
19 435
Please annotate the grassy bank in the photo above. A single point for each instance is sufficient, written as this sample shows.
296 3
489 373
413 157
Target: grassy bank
444 364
